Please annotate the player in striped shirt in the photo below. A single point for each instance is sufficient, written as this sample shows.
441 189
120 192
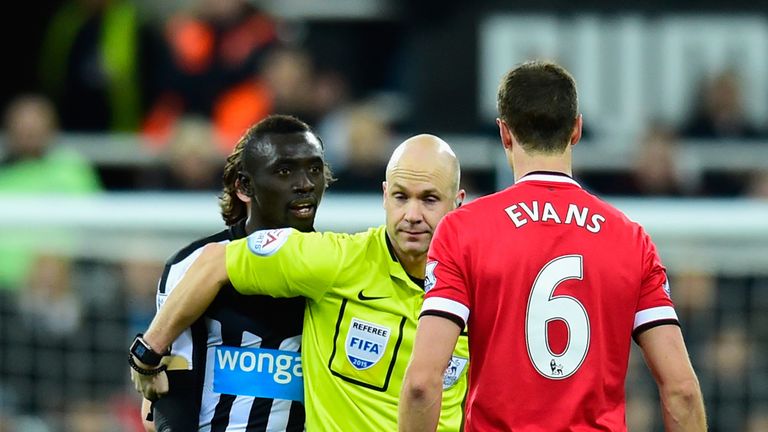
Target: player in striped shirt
275 177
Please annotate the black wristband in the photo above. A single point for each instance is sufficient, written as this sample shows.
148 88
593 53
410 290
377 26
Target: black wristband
144 353
141 370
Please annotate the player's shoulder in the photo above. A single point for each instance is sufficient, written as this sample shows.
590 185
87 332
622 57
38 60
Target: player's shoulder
609 209
180 261
478 207
195 245
617 222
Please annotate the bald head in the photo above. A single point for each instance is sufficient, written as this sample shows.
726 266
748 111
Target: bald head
426 155
422 187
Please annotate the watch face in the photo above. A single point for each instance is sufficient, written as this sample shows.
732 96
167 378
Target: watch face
144 353
140 350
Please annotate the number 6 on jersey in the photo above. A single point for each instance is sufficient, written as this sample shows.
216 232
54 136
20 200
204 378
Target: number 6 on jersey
544 307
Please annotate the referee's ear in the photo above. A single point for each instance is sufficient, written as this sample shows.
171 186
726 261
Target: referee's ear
460 198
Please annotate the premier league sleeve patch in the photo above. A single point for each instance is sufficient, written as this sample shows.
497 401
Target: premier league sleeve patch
267 242
429 276
453 371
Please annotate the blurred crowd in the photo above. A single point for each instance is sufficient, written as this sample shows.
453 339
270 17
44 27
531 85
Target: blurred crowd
188 85
189 82
717 118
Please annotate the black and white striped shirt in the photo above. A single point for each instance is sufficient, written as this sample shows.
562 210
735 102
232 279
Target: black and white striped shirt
235 320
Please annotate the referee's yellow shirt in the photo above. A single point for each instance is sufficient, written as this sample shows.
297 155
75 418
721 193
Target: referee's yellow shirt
359 326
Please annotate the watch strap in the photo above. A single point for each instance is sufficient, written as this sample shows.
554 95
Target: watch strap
144 353
144 371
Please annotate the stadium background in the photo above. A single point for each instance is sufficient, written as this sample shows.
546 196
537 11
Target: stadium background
675 101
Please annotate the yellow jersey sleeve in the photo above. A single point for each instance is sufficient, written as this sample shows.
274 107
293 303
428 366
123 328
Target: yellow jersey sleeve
285 263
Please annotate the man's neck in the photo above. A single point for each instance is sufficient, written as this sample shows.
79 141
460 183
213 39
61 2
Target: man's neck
251 225
524 163
414 266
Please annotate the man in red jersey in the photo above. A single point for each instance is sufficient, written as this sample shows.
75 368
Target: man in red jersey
553 284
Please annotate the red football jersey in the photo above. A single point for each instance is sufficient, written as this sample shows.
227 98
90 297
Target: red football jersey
552 283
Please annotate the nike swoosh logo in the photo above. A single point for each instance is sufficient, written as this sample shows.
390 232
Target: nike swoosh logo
364 297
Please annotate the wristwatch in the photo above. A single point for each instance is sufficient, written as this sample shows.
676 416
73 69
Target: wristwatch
144 353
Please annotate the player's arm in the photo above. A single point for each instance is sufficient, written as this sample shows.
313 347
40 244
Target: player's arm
443 315
178 409
146 407
422 392
658 334
667 358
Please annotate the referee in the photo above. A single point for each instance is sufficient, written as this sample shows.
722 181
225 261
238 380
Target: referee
275 177
363 291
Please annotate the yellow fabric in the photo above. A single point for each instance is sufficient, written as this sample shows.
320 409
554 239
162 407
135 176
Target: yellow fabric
334 271
120 52
119 45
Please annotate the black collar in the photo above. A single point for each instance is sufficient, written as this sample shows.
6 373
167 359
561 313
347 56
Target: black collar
555 173
391 249
237 230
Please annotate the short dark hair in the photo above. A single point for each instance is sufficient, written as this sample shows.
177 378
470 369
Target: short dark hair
538 101
232 209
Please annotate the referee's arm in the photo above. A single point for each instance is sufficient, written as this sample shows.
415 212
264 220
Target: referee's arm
191 297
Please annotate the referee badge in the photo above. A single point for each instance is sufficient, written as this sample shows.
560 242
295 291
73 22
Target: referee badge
366 343
267 242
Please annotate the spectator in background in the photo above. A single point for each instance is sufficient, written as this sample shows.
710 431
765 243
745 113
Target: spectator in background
719 112
290 74
720 115
39 297
33 164
732 367
656 169
191 159
90 64
283 84
212 50
758 185
758 421
361 140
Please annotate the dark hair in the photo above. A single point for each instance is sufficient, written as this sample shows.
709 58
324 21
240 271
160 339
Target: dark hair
538 102
232 209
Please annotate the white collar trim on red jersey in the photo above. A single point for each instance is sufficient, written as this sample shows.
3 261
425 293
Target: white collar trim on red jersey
548 178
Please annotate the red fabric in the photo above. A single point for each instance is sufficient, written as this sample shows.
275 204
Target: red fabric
159 122
541 289
253 34
238 109
192 43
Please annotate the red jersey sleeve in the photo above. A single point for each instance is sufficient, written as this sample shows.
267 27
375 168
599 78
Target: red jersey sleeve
654 306
446 289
